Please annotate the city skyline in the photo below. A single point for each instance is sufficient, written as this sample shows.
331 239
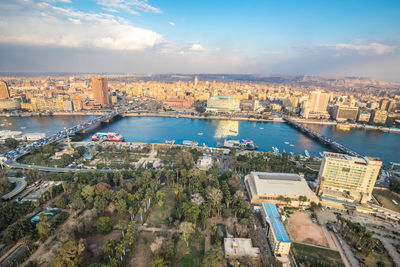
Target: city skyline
358 38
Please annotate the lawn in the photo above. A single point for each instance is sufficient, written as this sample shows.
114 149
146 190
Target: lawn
315 256
195 254
385 197
374 257
159 215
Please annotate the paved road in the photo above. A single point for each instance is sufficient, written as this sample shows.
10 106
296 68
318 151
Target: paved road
19 187
53 169
349 254
340 249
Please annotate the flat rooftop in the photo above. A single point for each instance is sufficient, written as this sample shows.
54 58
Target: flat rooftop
263 183
240 247
276 223
363 160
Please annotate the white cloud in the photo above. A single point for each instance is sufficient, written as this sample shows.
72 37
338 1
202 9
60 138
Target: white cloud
130 6
27 22
196 48
372 48
171 23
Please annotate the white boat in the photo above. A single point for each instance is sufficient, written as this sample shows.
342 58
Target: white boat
200 133
291 145
261 128
170 142
23 127
307 153
286 143
321 154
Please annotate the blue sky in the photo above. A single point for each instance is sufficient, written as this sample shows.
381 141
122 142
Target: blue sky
359 38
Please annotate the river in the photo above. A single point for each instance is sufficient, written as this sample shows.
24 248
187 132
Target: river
384 145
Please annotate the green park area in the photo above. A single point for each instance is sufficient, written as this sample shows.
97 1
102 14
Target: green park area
316 256
385 198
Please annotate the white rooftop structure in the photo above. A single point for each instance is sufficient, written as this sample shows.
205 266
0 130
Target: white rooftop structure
265 186
240 247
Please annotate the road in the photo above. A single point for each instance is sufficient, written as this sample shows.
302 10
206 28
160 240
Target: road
390 249
19 187
54 169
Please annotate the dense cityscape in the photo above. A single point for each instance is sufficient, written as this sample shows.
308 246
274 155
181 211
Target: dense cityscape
153 133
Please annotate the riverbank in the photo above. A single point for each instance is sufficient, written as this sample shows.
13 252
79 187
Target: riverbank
189 116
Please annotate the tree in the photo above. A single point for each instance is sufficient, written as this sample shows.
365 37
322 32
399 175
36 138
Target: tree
44 228
61 203
70 254
185 160
11 143
215 196
160 198
88 193
104 225
101 203
186 228
80 150
214 258
159 262
121 207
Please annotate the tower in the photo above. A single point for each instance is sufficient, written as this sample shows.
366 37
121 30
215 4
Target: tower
100 91
4 92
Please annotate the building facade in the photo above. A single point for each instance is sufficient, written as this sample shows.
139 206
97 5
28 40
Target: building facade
345 179
4 92
100 91
223 104
344 113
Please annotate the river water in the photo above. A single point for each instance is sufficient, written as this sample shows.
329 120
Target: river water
264 134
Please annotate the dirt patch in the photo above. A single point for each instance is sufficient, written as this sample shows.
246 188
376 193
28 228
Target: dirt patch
94 244
142 255
303 230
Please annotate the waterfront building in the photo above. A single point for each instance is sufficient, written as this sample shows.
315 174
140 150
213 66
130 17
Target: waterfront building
100 91
344 113
276 232
205 163
279 188
345 180
67 105
240 248
173 102
223 104
77 103
364 116
249 105
318 102
379 116
4 92
9 104
384 104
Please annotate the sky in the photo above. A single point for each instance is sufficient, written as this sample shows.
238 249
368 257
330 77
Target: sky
334 38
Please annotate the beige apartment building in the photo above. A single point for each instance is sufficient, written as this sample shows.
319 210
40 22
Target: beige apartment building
344 179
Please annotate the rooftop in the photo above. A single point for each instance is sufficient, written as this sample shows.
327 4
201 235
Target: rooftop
262 183
276 223
240 247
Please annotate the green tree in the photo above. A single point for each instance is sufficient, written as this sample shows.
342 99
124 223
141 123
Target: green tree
160 198
70 254
159 262
44 228
88 193
11 143
186 229
104 225
61 203
100 203
121 207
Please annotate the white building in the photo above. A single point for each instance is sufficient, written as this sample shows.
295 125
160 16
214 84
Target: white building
223 104
240 247
204 163
275 187
276 232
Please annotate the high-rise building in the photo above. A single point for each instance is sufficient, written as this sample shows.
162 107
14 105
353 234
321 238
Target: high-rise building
344 179
343 113
318 102
100 91
4 92
379 116
196 81
223 104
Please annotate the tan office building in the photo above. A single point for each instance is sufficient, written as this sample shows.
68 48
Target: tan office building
100 91
4 92
344 179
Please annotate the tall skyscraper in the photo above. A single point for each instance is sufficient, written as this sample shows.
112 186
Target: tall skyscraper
196 81
318 102
346 178
100 91
4 92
